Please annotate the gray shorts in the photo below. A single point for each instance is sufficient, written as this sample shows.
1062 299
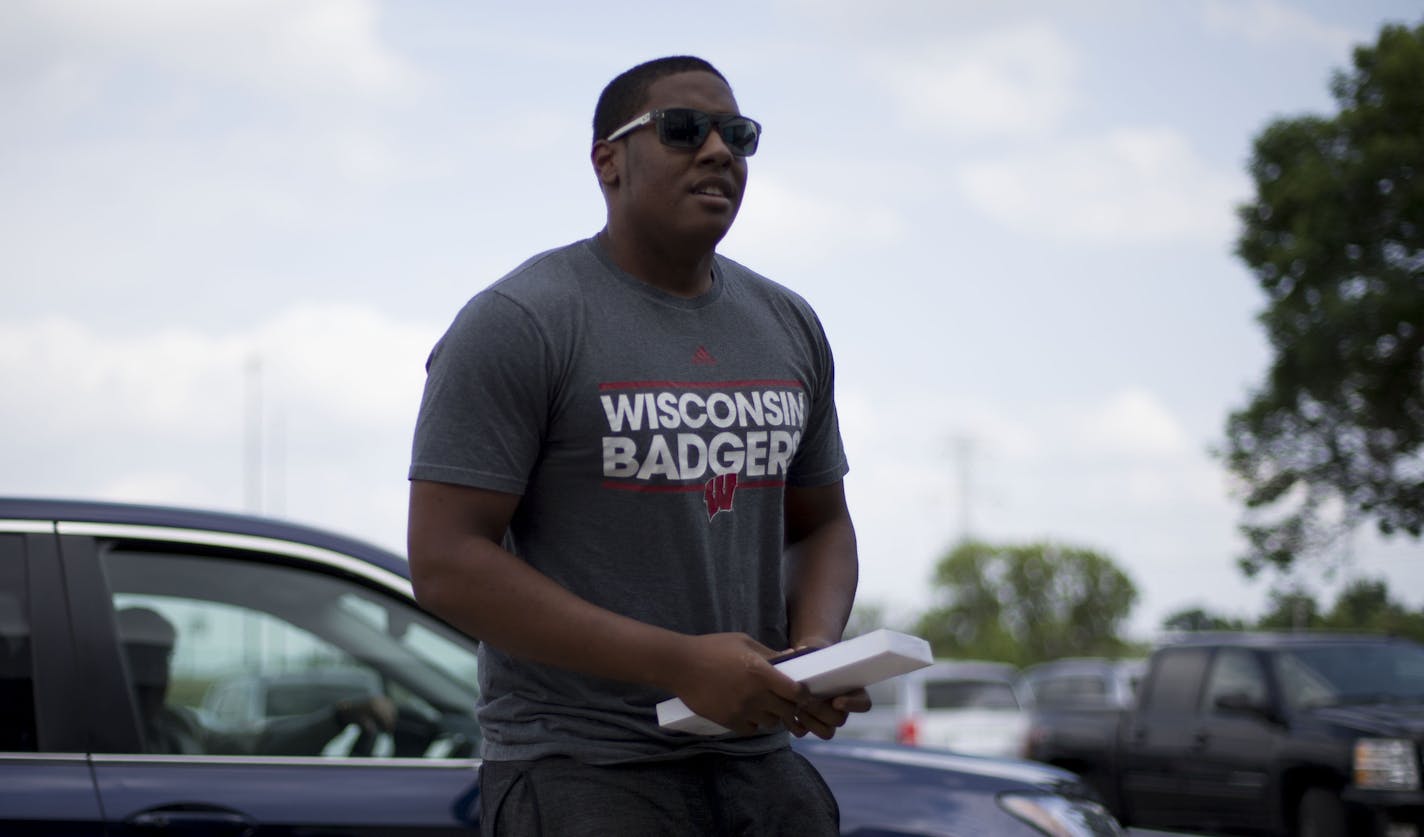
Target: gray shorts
710 794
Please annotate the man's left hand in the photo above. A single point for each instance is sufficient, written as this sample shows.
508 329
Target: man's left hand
823 716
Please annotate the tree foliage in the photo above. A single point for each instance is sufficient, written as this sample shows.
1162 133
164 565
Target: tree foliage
864 618
1363 606
1026 604
1335 237
1292 609
1199 619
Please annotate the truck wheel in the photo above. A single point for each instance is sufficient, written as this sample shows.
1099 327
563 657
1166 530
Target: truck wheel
1321 814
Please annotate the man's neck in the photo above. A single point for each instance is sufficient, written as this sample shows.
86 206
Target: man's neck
675 273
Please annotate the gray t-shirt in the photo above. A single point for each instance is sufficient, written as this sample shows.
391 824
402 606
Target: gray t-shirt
651 438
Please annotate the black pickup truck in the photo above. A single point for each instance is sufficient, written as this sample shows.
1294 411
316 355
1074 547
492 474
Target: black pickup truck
1245 733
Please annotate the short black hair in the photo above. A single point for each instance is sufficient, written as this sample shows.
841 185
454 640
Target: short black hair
620 100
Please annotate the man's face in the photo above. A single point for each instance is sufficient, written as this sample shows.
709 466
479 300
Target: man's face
148 669
678 198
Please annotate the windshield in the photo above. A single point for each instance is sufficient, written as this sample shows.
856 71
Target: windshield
1071 690
969 694
1331 675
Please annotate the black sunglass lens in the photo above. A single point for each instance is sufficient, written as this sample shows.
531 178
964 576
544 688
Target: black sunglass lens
740 134
684 128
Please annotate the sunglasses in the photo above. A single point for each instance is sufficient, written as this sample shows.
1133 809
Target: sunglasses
689 128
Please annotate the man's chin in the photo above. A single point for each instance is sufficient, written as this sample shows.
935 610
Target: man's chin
708 234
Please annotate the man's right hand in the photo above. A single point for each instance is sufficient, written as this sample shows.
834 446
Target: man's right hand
727 678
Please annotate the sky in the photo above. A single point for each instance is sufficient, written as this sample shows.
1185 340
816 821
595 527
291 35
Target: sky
231 231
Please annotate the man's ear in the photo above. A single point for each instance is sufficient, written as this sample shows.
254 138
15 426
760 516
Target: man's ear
606 161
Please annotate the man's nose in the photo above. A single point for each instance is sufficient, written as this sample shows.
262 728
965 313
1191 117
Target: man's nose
714 149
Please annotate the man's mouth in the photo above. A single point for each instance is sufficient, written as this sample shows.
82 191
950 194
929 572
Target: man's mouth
713 190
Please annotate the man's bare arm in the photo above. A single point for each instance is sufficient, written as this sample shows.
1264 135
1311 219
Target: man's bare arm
825 568
824 571
461 572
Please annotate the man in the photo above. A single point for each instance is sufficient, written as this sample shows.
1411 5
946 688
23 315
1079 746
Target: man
148 640
626 482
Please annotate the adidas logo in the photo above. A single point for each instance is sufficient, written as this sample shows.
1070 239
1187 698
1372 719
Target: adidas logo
702 357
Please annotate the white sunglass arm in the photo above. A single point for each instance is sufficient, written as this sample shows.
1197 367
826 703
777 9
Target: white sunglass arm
636 123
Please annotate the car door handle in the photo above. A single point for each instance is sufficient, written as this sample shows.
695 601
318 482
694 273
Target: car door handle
195 820
1200 739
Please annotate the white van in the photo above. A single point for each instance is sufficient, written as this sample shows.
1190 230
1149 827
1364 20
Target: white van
968 706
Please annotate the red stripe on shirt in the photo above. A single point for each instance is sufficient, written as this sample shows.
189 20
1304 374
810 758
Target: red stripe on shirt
615 385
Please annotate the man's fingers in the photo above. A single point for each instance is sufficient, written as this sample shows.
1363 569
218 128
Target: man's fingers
787 689
823 713
817 724
769 721
856 701
784 713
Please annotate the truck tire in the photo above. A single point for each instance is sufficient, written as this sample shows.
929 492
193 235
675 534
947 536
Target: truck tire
1321 814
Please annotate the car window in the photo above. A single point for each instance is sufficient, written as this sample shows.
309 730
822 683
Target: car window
245 657
1071 690
17 702
1176 681
1359 672
884 694
436 647
969 694
1234 671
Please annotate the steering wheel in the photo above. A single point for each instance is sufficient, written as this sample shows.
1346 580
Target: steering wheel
412 734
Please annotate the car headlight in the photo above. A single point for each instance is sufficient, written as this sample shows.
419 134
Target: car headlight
1059 816
1386 764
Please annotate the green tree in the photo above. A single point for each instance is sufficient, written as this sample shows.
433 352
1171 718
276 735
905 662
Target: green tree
1025 604
1200 619
864 618
1291 609
1335 236
1365 605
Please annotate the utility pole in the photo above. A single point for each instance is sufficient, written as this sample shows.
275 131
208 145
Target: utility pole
277 485
252 445
252 655
963 448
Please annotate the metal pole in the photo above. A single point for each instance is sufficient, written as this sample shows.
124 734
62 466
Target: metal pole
963 447
252 449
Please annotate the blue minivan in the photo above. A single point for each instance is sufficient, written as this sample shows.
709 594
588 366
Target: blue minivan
267 636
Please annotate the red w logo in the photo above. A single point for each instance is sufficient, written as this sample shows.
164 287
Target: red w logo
718 493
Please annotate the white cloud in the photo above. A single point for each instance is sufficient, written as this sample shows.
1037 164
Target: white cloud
1273 21
62 378
348 362
780 218
335 360
1132 422
161 416
326 47
1115 472
1129 186
1007 82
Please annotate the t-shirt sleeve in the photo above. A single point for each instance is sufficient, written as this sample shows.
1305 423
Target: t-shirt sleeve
485 407
820 458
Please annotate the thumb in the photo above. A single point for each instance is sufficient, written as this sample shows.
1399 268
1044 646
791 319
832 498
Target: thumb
784 687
